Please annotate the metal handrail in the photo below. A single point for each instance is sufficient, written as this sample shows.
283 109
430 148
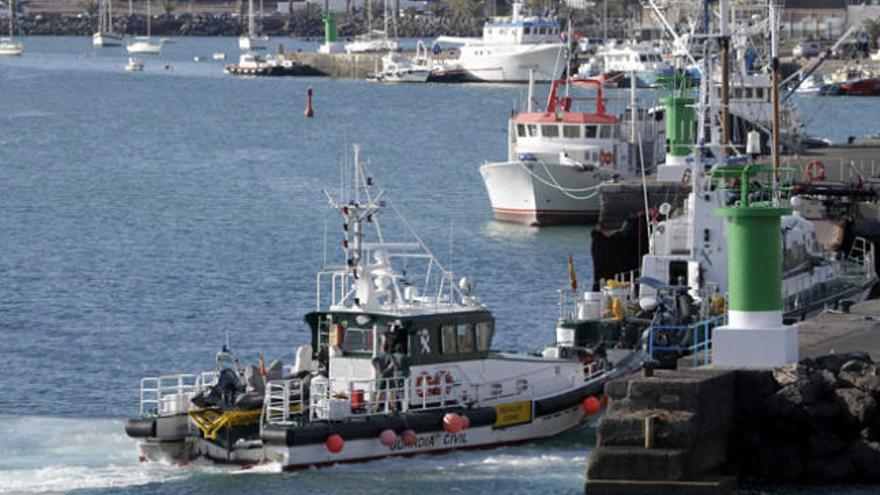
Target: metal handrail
702 340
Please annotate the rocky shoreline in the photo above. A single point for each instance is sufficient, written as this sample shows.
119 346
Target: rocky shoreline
300 24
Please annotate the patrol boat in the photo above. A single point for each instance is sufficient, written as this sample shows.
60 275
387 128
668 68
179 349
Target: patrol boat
449 389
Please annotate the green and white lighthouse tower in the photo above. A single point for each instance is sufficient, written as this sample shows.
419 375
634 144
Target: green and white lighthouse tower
755 336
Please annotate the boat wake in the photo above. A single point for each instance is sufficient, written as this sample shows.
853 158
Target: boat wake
45 454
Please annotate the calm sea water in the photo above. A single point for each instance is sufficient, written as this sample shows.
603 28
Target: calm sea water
142 216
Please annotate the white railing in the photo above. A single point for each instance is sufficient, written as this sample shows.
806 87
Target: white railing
170 394
283 401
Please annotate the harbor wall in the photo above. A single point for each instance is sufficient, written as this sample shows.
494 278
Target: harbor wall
699 431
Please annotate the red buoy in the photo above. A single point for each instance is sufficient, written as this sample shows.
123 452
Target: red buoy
452 423
409 437
465 422
309 111
387 437
335 443
591 405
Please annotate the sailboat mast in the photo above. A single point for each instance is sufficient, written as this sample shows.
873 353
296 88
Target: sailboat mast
251 18
369 17
9 4
149 18
385 16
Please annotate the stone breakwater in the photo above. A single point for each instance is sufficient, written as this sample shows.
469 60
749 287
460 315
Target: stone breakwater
699 430
299 24
818 420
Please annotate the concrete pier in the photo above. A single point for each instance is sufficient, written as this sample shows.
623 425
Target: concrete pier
338 65
697 431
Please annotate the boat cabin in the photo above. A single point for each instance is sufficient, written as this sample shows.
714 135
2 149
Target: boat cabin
425 338
589 138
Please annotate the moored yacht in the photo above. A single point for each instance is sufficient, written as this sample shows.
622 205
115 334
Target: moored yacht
510 48
134 65
557 158
644 59
374 41
252 40
106 36
145 44
398 68
8 46
399 362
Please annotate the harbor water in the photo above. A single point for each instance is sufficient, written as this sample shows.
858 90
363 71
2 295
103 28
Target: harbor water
145 215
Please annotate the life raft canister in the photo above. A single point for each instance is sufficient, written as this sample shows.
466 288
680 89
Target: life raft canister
606 157
815 170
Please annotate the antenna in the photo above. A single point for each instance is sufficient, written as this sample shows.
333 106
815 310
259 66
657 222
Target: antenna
324 262
451 243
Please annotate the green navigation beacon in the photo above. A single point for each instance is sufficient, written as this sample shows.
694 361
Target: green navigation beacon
755 336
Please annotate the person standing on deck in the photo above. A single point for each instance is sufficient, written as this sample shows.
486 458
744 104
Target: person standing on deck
401 372
384 366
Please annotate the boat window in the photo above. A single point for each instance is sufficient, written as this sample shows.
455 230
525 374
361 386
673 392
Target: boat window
738 93
616 131
749 93
643 58
550 130
358 340
521 130
759 93
484 336
448 336
465 337
527 30
605 132
571 131
543 31
533 130
589 131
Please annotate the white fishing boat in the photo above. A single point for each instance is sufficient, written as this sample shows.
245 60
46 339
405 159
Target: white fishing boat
557 157
8 46
398 68
134 65
510 48
145 45
373 41
253 40
645 60
399 363
106 36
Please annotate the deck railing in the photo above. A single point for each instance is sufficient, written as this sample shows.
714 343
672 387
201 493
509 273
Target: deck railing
699 335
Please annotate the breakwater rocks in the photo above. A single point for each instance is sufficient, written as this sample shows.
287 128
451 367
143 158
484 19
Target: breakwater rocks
304 23
818 420
814 422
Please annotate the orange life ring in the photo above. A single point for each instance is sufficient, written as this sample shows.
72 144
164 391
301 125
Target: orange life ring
606 157
424 384
443 377
815 170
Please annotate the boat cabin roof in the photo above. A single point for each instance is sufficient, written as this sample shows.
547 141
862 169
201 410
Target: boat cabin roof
426 339
565 118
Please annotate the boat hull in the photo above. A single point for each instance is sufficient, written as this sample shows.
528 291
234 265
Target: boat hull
526 193
511 63
144 47
427 442
106 40
11 49
271 70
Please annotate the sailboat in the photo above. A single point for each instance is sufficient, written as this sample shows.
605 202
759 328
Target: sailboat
106 37
368 43
145 45
8 46
252 41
